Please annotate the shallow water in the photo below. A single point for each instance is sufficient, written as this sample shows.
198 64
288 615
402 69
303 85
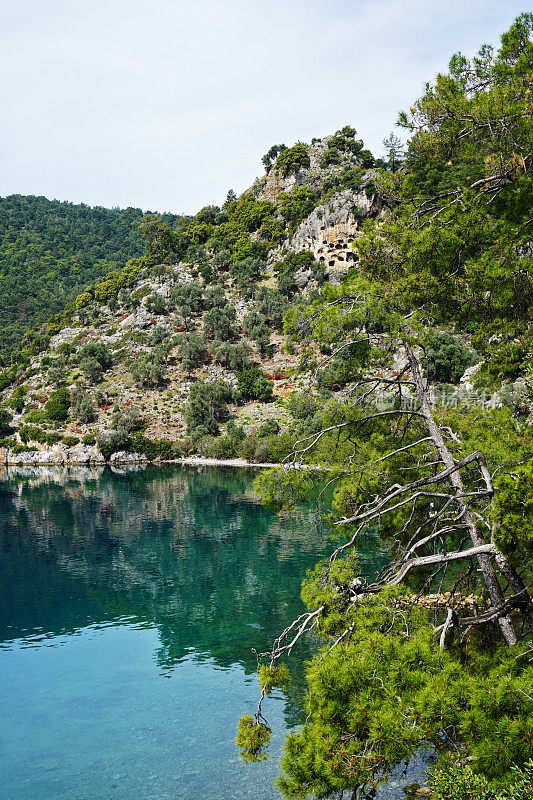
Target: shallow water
131 602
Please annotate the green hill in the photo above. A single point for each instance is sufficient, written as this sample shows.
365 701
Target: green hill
51 250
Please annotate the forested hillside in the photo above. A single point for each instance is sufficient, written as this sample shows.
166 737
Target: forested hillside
49 251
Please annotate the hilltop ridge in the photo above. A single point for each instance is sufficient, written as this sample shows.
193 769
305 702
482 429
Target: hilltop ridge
192 311
183 350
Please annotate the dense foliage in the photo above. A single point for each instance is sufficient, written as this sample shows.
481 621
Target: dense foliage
434 655
51 250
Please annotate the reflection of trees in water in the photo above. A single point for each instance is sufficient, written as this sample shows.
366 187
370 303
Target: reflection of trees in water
191 551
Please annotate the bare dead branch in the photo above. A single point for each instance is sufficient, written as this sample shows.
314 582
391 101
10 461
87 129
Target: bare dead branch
440 558
445 627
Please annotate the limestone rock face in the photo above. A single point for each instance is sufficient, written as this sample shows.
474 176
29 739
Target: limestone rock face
329 233
276 185
467 380
65 335
302 278
139 319
82 454
125 457
273 185
52 455
58 454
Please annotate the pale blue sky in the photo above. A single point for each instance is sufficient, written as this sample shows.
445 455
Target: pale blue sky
167 104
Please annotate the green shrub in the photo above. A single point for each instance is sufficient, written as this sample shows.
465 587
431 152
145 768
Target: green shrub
18 398
249 213
234 357
273 231
270 157
214 297
244 247
139 293
248 447
293 159
253 384
188 298
206 407
158 336
235 431
82 406
192 351
258 330
368 161
109 287
57 371
112 442
280 446
370 189
291 264
341 145
217 447
89 439
22 448
150 370
92 369
99 352
503 363
156 304
83 300
152 449
127 418
462 783
29 433
247 272
5 422
271 449
58 405
447 357
71 441
272 305
330 157
298 204
219 323
302 405
7 378
37 417
269 428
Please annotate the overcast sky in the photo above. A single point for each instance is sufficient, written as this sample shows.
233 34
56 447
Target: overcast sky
167 104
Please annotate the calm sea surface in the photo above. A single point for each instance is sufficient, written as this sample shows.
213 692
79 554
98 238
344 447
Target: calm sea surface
130 602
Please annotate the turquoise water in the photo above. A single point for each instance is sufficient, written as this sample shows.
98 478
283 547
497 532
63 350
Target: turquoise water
131 601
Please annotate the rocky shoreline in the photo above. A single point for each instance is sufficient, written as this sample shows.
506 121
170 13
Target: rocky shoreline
83 455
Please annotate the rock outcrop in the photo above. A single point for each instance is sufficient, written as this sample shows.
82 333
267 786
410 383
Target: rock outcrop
59 455
273 184
330 231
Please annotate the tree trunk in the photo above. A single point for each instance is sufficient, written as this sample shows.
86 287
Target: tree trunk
485 563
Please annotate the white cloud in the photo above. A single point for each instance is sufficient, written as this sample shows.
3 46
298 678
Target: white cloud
168 104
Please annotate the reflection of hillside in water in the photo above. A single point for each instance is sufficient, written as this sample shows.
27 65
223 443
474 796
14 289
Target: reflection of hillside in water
189 551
